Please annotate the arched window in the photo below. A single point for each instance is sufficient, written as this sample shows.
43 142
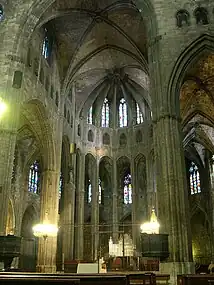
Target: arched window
89 192
46 45
100 192
195 184
105 114
127 190
90 116
123 114
33 178
139 114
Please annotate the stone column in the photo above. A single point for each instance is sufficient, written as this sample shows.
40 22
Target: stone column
151 200
8 140
173 212
135 229
115 202
95 212
68 218
46 261
80 207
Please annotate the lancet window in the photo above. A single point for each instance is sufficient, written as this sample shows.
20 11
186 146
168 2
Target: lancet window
127 190
105 114
33 178
195 184
123 113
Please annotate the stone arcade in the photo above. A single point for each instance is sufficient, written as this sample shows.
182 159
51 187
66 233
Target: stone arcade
109 113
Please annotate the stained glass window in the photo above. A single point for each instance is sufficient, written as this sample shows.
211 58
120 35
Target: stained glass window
90 116
127 190
1 13
89 192
195 184
123 113
139 114
105 114
100 192
46 45
33 178
60 185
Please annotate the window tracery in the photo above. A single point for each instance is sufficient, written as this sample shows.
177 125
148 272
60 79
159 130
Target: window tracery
100 192
46 45
123 113
195 184
139 114
89 192
33 178
105 114
60 185
127 190
90 116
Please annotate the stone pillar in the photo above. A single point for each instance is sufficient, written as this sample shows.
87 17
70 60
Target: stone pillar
46 260
173 212
80 207
68 218
115 202
8 139
95 212
135 229
151 199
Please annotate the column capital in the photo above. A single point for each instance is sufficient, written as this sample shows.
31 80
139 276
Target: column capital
167 115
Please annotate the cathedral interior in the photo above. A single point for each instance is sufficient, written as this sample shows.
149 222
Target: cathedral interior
106 115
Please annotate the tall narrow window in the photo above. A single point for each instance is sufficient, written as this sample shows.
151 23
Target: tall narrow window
123 114
1 13
60 185
46 45
90 116
33 178
89 192
105 114
195 184
100 192
127 190
139 114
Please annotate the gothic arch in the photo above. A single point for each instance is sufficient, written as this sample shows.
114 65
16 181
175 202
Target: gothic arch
204 44
37 119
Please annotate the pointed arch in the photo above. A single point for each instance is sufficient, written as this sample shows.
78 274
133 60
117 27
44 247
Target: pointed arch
204 44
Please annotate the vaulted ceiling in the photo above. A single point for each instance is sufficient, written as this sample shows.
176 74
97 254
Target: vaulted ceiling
197 107
95 37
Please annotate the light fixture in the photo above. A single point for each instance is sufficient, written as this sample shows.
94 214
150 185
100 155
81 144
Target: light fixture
45 230
151 227
3 107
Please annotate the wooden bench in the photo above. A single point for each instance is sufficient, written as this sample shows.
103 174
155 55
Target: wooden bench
196 279
135 278
61 279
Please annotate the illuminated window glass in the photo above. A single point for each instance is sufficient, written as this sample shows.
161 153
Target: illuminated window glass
60 185
90 116
123 114
1 13
105 114
195 184
127 190
100 192
33 178
139 114
89 192
46 46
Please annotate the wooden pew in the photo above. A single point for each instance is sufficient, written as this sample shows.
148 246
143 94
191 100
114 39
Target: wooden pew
196 279
61 279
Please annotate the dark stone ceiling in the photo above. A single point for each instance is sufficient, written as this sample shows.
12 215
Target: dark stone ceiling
95 37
